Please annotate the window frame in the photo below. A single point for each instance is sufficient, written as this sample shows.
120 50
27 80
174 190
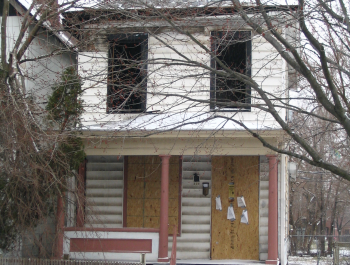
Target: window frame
215 36
129 38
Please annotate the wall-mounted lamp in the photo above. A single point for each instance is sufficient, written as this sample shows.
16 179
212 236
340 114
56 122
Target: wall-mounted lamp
196 179
205 188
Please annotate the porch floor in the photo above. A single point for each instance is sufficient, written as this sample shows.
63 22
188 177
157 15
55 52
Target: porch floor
216 262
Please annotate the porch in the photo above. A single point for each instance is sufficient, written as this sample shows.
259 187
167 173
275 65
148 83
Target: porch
123 214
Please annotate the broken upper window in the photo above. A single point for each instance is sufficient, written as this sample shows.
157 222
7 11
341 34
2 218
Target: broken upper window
127 73
233 50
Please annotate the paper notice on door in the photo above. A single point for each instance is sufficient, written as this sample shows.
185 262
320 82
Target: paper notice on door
241 202
218 203
244 217
230 213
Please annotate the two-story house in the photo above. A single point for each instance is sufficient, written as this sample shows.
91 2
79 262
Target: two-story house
162 144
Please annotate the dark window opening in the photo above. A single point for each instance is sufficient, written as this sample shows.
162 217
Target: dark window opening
233 50
127 73
11 12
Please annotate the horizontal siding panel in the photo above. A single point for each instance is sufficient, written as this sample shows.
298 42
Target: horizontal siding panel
103 201
104 193
104 175
161 55
270 56
97 184
104 166
262 47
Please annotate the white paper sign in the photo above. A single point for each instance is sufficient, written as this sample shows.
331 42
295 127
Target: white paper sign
244 217
241 202
230 213
218 203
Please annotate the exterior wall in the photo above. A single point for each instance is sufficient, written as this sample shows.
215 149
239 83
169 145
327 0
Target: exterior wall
268 70
263 207
46 73
42 74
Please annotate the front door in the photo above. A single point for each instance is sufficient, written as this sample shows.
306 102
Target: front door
235 239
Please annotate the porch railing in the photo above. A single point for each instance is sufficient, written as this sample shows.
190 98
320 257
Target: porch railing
33 261
173 250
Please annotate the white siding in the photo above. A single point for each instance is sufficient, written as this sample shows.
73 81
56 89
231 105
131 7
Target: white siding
169 84
41 74
92 68
263 207
183 80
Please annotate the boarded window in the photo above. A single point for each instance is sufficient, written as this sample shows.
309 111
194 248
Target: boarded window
233 50
127 73
143 192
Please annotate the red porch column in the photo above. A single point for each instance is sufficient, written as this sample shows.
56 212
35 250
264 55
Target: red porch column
164 202
59 228
272 255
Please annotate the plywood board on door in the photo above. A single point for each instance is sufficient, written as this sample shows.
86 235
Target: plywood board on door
235 240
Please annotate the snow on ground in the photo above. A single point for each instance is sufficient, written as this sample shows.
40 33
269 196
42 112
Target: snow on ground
307 260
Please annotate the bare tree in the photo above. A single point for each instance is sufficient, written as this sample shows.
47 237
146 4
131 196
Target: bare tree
36 145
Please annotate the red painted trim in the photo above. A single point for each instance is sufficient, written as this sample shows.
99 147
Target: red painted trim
180 194
59 228
164 207
135 230
111 245
125 192
81 195
272 255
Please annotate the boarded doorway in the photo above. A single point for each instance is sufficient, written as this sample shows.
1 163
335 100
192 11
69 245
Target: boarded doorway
235 240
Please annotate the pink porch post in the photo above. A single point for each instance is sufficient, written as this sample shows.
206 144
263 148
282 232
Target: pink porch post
59 228
164 202
272 255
